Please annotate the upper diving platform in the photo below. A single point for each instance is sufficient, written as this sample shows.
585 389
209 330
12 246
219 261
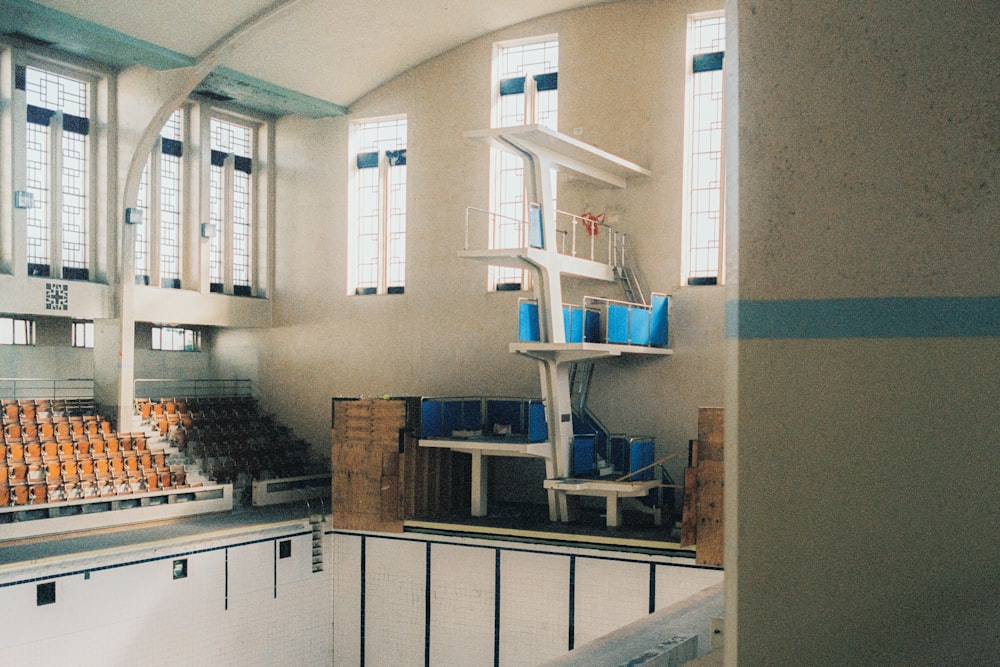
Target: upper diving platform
565 152
533 258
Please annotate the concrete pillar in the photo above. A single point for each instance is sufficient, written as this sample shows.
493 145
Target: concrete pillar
864 316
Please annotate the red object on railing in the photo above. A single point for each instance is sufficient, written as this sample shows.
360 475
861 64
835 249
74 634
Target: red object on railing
592 223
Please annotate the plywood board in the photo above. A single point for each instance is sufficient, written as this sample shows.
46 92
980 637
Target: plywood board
689 516
711 490
390 464
389 497
711 434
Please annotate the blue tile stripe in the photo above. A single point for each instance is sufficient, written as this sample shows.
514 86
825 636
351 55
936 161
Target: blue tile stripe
890 317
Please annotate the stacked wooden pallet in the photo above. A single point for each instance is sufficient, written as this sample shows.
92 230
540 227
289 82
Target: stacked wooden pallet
702 520
380 475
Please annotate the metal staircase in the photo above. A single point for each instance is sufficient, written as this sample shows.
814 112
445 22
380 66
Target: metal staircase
627 271
580 375
585 421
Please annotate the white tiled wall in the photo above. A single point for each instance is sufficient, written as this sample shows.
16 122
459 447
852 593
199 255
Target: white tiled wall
534 607
674 584
531 621
462 605
241 604
125 607
346 568
395 577
609 594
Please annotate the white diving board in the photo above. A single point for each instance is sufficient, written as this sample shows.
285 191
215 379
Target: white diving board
610 490
565 152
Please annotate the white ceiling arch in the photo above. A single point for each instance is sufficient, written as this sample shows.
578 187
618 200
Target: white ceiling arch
331 50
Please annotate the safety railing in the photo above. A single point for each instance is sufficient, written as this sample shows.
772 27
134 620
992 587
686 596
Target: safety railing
49 388
157 388
579 235
601 320
482 416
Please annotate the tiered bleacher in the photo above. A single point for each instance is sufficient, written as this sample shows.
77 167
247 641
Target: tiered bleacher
230 438
64 466
64 450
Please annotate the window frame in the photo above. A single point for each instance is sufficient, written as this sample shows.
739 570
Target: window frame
28 333
222 215
52 200
694 271
82 335
152 200
389 212
183 334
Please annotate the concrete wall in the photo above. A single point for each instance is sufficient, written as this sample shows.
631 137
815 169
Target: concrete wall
52 356
863 526
621 80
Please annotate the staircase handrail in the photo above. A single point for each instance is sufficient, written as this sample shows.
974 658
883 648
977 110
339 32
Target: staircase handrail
625 261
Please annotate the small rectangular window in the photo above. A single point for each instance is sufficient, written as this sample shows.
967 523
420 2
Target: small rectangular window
17 331
176 339
83 334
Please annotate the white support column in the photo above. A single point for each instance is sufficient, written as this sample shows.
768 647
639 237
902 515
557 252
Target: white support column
539 168
614 511
555 388
480 483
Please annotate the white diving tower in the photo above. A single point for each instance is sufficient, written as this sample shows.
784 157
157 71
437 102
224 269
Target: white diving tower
548 258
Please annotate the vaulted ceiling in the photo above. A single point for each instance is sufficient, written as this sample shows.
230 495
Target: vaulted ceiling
328 51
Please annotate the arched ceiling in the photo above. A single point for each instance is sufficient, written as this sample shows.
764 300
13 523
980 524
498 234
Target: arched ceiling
331 50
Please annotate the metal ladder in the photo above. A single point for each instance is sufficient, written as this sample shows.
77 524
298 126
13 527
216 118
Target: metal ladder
580 374
316 522
627 271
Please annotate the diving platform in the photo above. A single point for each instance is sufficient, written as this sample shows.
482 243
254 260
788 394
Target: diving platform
565 152
533 258
611 491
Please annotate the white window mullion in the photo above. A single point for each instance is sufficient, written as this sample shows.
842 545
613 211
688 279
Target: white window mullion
152 221
55 221
228 179
383 217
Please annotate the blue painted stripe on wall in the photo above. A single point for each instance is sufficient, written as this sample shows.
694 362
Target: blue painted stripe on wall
891 317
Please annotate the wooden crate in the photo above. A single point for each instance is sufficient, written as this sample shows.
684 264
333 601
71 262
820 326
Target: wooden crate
381 475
